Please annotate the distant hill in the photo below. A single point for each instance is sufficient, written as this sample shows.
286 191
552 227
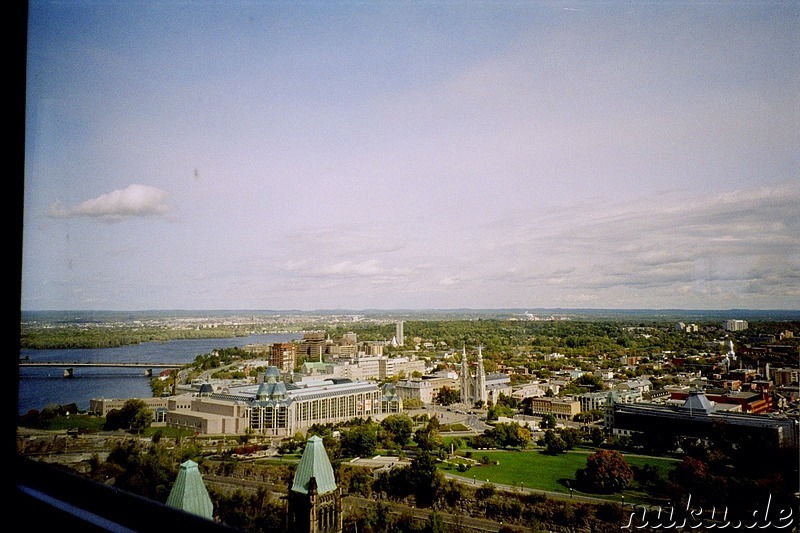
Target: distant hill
243 315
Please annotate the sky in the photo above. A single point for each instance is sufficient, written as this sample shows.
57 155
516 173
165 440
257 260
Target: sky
312 155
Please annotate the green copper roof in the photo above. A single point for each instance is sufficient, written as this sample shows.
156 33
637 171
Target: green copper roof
314 463
189 492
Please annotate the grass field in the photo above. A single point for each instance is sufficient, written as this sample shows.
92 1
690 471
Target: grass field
533 469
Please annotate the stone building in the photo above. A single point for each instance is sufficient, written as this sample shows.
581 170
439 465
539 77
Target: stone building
315 501
473 388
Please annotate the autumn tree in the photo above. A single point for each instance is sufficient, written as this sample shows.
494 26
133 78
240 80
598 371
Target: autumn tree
510 435
606 471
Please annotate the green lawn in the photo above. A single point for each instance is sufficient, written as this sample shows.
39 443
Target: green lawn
453 427
83 423
536 470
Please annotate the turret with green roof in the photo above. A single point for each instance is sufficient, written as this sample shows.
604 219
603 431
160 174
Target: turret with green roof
189 492
314 465
315 502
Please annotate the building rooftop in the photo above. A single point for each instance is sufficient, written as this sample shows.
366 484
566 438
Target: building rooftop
314 464
189 493
697 401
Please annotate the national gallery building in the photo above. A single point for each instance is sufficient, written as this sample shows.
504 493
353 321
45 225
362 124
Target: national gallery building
273 408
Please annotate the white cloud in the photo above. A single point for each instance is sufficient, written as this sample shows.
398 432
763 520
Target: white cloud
658 249
134 201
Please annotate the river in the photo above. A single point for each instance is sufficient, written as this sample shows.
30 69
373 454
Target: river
40 386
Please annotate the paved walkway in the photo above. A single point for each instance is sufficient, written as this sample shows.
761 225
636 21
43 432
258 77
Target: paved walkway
516 488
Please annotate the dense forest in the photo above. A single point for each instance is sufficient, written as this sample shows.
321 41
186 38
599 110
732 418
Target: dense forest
74 337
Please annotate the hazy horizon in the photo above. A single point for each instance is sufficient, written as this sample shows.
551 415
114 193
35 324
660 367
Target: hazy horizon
785 314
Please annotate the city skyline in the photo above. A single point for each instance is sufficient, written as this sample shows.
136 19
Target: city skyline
267 155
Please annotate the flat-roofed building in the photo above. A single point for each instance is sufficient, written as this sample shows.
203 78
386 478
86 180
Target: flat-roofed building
529 390
785 376
377 367
497 384
561 408
277 409
389 367
591 401
698 418
103 406
734 325
312 346
283 355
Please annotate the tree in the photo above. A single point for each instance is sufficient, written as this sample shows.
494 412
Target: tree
508 401
606 471
134 415
572 436
412 403
398 429
587 417
596 436
496 411
360 441
591 381
141 420
510 435
553 442
448 396
423 478
548 421
428 438
435 523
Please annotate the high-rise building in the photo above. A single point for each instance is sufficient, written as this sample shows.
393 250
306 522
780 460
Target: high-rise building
312 346
399 333
283 356
734 325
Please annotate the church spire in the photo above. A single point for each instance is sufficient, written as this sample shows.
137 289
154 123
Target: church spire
464 378
480 379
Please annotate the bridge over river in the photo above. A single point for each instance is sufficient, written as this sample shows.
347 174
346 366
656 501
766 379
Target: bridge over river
69 367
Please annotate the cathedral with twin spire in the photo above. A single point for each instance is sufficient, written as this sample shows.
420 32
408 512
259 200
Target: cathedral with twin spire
473 388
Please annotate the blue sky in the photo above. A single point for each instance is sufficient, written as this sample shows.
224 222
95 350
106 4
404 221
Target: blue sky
432 154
